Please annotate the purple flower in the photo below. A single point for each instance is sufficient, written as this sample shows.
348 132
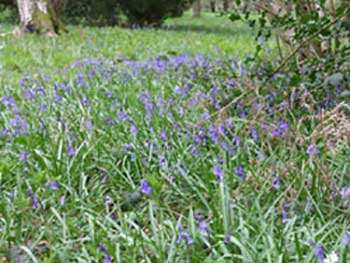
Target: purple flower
108 258
62 200
284 216
188 239
281 129
102 248
312 150
183 235
145 187
23 156
228 148
35 204
346 239
122 115
237 141
276 182
109 200
345 192
88 124
134 130
319 252
163 135
203 227
218 173
70 151
239 170
53 185
213 134
254 133
228 236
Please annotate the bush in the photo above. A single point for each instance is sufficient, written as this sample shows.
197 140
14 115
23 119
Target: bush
90 12
152 12
8 14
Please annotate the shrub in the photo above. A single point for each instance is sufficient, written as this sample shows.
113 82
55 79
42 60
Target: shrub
8 13
152 12
89 12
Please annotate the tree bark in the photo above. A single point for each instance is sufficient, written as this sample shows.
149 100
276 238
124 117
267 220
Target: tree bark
197 8
213 6
40 16
225 5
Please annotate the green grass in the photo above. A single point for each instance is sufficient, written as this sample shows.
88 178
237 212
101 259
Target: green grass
32 53
49 107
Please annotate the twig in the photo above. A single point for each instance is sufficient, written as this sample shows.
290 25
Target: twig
291 55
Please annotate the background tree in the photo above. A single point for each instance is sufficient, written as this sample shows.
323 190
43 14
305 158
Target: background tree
225 5
213 6
152 12
197 8
41 16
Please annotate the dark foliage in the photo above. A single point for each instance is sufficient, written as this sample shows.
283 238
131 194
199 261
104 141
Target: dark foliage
91 12
152 12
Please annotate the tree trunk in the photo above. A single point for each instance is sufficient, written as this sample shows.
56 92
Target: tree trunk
213 6
225 5
197 8
40 16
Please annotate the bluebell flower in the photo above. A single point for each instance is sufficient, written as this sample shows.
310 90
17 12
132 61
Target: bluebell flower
276 182
203 227
237 140
239 170
145 187
183 235
163 135
108 258
319 252
70 151
254 133
102 248
23 156
109 200
346 239
89 124
134 130
312 150
53 185
122 115
345 192
228 237
284 216
63 200
218 173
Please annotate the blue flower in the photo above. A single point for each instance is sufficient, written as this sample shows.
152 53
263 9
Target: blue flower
89 124
183 235
346 239
345 192
134 130
70 151
228 237
276 182
23 156
108 258
319 252
145 187
53 185
203 227
62 200
218 173
239 170
254 133
312 150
